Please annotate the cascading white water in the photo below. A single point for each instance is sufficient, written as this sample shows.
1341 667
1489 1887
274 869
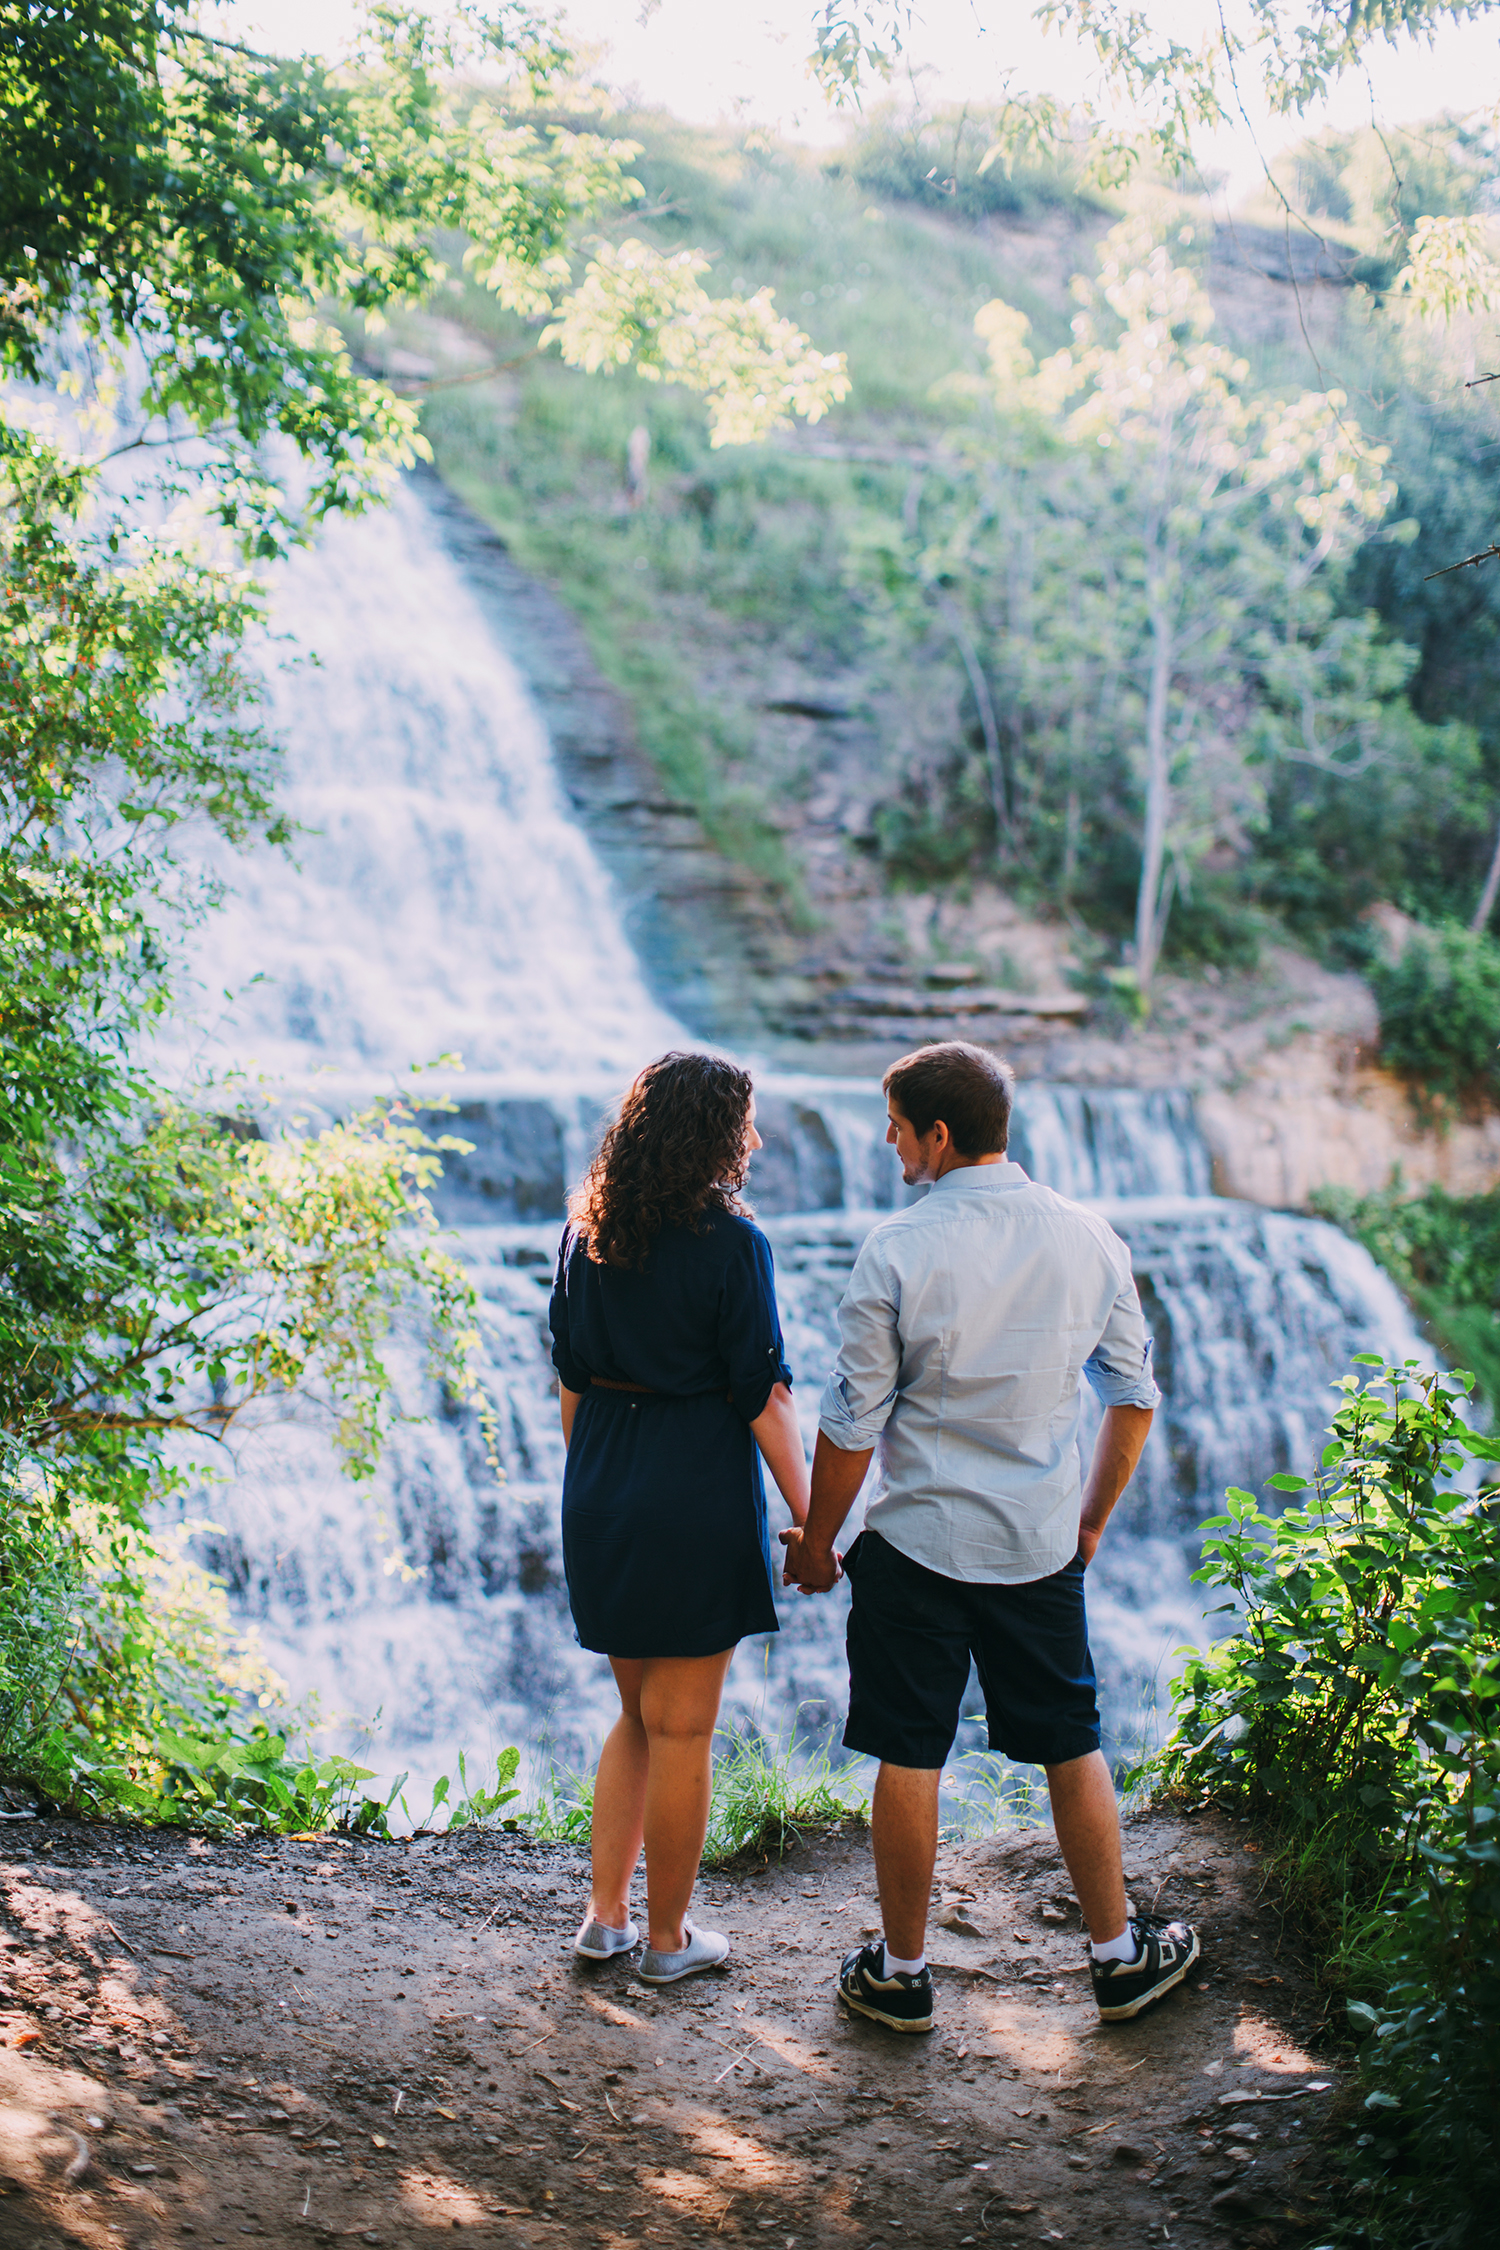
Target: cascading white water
445 901
440 899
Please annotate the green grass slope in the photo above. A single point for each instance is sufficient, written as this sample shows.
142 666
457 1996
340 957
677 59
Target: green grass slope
725 607
727 590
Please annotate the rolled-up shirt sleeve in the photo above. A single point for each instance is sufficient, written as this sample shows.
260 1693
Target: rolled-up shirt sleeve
750 1325
859 1394
1119 1366
572 1374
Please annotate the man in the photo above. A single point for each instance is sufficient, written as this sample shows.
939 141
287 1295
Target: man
968 1321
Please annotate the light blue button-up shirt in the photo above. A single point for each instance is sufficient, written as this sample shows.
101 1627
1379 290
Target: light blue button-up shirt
968 1321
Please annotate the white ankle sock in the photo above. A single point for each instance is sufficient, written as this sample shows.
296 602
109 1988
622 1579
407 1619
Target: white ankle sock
1121 1948
897 1968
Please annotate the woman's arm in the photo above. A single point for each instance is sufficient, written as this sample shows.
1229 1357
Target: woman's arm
776 1433
568 1402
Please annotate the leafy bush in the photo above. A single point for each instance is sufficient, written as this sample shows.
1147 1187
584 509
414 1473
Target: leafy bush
126 1692
1440 1012
39 1587
1355 1713
474 1803
945 162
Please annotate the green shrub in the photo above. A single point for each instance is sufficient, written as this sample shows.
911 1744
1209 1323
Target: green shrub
126 1693
1440 1012
941 162
39 1592
1354 1712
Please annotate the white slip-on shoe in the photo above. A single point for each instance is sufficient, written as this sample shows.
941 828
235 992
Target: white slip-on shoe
596 1941
705 1949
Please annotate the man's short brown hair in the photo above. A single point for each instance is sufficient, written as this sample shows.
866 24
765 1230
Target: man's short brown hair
966 1088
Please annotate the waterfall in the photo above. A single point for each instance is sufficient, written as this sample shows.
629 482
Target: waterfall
445 901
440 898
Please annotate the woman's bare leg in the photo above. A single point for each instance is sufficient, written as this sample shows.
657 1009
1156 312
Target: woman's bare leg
619 1801
679 1709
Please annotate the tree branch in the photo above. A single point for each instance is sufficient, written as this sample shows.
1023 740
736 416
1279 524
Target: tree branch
473 375
1469 562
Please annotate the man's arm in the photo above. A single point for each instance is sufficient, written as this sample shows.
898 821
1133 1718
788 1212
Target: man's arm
857 1400
810 1560
1122 1437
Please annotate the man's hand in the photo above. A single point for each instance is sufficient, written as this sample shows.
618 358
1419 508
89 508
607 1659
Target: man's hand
811 1560
1122 1436
812 1570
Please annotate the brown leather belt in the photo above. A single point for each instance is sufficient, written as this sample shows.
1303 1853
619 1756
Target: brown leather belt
648 1390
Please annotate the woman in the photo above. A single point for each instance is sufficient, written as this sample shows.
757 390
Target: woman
668 1347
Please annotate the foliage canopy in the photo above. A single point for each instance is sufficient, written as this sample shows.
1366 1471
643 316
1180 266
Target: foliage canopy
201 203
1143 558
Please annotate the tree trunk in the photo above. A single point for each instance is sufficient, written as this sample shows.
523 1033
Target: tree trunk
999 789
1150 921
1487 896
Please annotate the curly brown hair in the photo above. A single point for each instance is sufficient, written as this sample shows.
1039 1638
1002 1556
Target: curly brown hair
677 1149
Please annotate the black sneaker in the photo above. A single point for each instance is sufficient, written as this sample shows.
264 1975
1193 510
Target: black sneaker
900 2002
1125 1988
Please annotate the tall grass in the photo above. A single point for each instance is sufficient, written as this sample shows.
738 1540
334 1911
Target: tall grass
766 1796
993 1796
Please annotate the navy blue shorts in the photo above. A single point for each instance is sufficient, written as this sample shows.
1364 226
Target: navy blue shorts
911 1635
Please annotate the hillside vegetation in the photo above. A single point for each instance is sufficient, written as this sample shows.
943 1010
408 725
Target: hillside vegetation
896 653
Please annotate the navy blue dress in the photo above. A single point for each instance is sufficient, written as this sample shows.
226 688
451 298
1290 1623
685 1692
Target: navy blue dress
665 1541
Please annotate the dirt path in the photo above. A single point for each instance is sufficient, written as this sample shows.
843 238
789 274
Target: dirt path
293 2041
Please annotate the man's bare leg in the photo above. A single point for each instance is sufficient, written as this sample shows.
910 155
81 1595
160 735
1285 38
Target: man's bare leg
904 1833
1087 1821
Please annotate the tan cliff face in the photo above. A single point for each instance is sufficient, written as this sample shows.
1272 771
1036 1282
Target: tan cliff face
1309 1124
1317 1112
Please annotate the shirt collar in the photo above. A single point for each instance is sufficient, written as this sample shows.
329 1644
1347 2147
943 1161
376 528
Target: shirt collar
983 1179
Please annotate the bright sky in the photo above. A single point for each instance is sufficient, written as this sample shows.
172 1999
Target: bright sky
707 60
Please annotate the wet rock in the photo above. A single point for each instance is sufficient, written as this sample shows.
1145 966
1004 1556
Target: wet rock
516 1168
1238 2205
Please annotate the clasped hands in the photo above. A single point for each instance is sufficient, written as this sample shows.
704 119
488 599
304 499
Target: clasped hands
810 1569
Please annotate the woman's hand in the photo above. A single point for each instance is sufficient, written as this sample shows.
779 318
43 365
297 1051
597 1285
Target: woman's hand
780 1440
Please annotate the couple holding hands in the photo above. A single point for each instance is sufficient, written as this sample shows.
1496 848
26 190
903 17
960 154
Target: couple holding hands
970 1319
